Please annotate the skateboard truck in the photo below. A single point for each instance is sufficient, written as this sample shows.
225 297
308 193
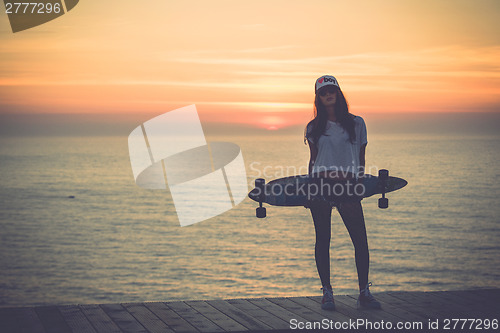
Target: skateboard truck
260 212
383 176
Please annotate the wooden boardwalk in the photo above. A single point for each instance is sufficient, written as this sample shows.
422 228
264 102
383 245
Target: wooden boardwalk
416 310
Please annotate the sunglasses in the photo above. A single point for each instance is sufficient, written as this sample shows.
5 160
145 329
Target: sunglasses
328 89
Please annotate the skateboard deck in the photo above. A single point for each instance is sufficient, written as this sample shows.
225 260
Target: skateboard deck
301 190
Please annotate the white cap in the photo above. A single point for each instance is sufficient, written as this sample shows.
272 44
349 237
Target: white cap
326 80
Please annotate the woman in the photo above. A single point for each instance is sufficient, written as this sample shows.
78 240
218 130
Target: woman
337 142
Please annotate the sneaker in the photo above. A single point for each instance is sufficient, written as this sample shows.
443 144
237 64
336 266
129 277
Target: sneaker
366 300
327 303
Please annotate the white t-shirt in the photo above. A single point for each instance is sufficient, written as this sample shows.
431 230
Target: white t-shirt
335 150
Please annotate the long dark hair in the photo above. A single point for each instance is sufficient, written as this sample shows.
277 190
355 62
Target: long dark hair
345 119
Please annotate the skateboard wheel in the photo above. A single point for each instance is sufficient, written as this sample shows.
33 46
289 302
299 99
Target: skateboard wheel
383 174
260 212
383 203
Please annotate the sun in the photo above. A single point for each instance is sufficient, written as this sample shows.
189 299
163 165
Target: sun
272 123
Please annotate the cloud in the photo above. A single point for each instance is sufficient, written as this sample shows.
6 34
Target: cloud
437 60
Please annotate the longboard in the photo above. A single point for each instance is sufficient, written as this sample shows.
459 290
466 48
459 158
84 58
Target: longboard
301 190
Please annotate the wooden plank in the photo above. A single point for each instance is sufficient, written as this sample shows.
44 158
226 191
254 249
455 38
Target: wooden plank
488 298
489 292
248 314
298 309
76 320
99 319
472 295
124 320
9 321
146 318
315 306
259 314
392 305
170 317
238 315
226 323
484 302
52 320
473 308
440 306
345 305
490 301
410 301
277 310
380 314
402 303
28 320
194 317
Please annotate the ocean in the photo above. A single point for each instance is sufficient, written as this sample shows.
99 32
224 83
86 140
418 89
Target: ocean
76 229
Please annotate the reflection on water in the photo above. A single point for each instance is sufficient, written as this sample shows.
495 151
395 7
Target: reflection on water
116 242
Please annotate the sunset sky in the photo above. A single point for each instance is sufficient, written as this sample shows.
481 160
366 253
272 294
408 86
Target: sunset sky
254 62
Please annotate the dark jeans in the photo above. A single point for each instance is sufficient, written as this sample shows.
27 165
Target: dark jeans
352 215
